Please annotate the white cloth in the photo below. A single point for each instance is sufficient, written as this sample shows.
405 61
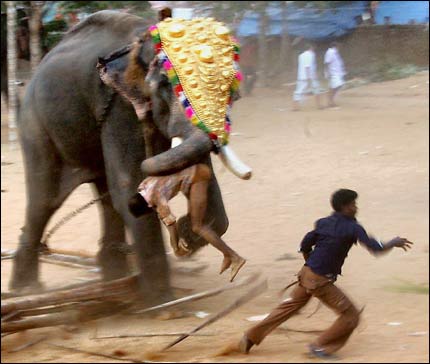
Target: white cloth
335 67
336 81
307 59
302 87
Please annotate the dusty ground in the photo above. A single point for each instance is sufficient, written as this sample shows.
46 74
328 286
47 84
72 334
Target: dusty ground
377 144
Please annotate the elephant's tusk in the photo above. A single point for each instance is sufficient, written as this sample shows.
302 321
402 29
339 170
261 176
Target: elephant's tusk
233 163
229 159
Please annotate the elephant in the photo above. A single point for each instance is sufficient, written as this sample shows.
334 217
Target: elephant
75 128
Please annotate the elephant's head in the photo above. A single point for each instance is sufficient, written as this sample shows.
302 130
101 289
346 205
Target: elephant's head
139 73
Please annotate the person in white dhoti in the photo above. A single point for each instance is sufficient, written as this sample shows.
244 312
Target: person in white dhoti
307 77
334 72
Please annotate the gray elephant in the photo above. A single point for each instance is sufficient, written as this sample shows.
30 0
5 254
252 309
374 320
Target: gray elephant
75 129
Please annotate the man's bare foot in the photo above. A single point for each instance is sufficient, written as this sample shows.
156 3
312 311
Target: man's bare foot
238 263
226 263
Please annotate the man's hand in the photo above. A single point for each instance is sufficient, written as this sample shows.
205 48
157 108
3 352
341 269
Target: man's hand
306 256
182 250
399 242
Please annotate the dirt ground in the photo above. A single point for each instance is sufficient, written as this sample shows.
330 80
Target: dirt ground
376 143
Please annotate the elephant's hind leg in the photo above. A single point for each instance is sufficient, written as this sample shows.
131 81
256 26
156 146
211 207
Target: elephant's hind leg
43 170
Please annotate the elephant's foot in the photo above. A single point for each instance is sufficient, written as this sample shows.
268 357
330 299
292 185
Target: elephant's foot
30 289
153 297
25 271
112 259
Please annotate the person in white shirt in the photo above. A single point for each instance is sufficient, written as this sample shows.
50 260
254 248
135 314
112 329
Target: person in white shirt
307 77
334 71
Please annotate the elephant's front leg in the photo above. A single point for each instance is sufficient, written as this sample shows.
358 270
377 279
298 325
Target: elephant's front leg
124 149
112 256
151 257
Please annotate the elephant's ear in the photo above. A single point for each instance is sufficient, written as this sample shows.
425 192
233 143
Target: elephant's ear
125 72
235 95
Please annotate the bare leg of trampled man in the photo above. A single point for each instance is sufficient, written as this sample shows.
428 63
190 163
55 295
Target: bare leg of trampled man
197 209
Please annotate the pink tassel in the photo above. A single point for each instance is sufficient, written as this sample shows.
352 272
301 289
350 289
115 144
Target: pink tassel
167 65
189 112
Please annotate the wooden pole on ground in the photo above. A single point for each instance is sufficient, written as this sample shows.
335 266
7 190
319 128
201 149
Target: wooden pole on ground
253 292
201 295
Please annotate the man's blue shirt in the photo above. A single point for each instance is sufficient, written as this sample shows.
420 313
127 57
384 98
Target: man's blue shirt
332 237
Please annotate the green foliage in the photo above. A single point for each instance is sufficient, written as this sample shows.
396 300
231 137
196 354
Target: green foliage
135 7
409 287
387 71
226 11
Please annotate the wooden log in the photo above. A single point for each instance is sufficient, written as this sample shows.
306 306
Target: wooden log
93 291
7 295
63 297
28 344
61 256
10 316
90 262
253 292
201 295
63 264
46 310
85 311
79 253
97 354
5 253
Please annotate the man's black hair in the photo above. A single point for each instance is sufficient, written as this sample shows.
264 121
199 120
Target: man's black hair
138 205
342 197
164 13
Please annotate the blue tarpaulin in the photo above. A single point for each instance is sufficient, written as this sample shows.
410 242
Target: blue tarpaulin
307 22
314 24
402 12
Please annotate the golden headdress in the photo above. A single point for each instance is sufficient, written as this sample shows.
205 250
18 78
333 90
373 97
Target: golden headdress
200 58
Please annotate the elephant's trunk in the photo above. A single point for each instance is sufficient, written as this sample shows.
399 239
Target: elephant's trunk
190 152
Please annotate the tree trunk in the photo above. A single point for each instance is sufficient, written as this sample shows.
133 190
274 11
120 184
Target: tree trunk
11 69
284 52
262 46
35 44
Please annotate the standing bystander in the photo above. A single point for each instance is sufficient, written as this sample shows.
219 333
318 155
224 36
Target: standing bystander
307 77
334 71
